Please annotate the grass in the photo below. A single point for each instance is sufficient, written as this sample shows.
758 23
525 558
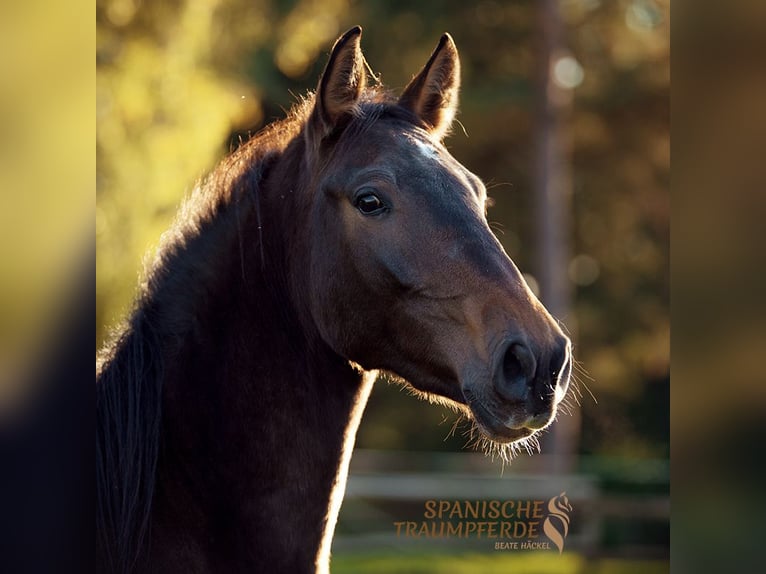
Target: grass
491 563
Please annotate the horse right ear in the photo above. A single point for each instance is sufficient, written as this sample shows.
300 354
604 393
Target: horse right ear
433 93
340 86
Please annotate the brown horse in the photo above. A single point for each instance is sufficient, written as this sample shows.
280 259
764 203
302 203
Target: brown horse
339 241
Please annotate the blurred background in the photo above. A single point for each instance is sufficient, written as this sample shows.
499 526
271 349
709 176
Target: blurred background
565 115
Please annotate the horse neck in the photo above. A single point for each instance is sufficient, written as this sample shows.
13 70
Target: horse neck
259 415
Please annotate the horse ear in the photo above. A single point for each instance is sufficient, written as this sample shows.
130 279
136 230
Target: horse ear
433 93
341 84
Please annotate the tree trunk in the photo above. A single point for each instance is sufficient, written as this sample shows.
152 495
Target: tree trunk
553 205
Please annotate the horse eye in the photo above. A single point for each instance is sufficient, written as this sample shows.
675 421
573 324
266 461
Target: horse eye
369 204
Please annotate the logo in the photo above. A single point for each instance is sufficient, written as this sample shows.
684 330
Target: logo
506 524
556 525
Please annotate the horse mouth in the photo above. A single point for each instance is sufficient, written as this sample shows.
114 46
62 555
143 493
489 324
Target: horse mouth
515 424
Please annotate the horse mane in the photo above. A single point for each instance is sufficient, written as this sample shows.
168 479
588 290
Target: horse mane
131 366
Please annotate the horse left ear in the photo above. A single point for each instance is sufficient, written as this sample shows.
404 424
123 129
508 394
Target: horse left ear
433 93
341 84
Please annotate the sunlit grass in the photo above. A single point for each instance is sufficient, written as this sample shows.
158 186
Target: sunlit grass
490 563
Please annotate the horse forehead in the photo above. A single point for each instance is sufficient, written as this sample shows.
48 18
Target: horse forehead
435 162
410 153
423 149
416 155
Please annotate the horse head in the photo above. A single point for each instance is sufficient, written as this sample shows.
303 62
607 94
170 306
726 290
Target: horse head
402 272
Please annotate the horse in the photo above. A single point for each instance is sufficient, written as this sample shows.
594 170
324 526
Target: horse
339 242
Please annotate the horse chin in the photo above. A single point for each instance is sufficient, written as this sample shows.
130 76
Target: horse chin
513 427
499 425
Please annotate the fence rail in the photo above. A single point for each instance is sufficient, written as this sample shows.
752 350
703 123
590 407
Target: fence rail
386 487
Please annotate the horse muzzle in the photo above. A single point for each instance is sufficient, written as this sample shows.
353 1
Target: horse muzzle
522 391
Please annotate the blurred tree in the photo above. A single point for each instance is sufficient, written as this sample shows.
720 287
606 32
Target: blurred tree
557 74
174 79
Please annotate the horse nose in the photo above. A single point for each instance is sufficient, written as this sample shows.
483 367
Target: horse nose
517 371
561 362
520 371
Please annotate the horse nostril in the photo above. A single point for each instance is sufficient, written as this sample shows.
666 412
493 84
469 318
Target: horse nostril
518 371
